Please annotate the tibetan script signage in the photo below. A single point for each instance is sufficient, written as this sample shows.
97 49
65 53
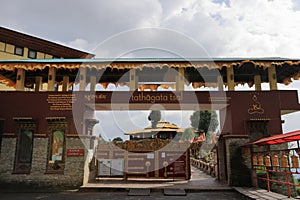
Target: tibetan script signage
75 152
61 101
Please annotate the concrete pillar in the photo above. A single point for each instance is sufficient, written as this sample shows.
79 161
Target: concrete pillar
230 78
20 80
51 79
257 82
272 77
133 80
93 82
220 83
65 86
82 81
180 80
38 83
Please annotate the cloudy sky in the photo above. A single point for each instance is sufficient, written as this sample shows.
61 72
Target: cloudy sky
231 28
134 28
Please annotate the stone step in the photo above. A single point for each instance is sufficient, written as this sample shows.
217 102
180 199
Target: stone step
139 192
174 192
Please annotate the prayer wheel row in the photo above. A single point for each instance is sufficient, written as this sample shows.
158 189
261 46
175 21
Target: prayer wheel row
261 160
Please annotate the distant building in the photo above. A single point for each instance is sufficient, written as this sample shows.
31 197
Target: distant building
55 149
19 46
163 130
15 45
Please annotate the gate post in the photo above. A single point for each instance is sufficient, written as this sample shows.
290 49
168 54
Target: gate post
238 161
222 172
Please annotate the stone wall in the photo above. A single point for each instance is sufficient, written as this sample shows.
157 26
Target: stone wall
237 162
72 176
222 173
7 155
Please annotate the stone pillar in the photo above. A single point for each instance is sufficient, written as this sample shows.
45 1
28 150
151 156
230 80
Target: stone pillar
220 83
65 86
20 80
51 79
38 83
93 82
82 81
257 82
238 162
272 77
133 80
222 173
180 80
230 78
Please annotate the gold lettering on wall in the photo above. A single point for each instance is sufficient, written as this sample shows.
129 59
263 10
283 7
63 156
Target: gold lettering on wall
135 158
61 101
142 97
134 168
256 107
93 97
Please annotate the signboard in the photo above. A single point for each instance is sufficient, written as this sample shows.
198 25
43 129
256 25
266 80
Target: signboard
179 167
117 167
58 102
110 167
104 166
75 152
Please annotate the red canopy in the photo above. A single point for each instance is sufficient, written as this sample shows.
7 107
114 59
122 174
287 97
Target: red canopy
278 139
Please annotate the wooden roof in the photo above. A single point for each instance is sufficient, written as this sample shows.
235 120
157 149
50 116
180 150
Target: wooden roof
41 45
198 71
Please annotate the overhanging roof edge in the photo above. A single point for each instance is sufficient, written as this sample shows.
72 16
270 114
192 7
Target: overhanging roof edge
110 60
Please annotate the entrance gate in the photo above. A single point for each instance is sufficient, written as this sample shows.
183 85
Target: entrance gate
242 113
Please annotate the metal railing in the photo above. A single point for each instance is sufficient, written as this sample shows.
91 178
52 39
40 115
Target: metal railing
277 166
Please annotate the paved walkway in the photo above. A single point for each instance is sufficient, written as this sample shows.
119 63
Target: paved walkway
225 195
257 193
199 181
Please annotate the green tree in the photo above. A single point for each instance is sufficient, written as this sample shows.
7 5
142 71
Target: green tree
204 120
154 117
209 136
188 134
118 139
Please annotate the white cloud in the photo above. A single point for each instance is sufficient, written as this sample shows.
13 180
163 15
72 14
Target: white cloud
80 44
239 28
246 28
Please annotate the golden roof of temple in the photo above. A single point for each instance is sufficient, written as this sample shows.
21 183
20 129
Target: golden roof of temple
161 126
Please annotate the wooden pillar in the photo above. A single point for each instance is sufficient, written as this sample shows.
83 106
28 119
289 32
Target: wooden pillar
257 82
38 83
82 81
51 79
272 77
220 83
230 78
180 80
93 82
65 86
20 80
133 82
